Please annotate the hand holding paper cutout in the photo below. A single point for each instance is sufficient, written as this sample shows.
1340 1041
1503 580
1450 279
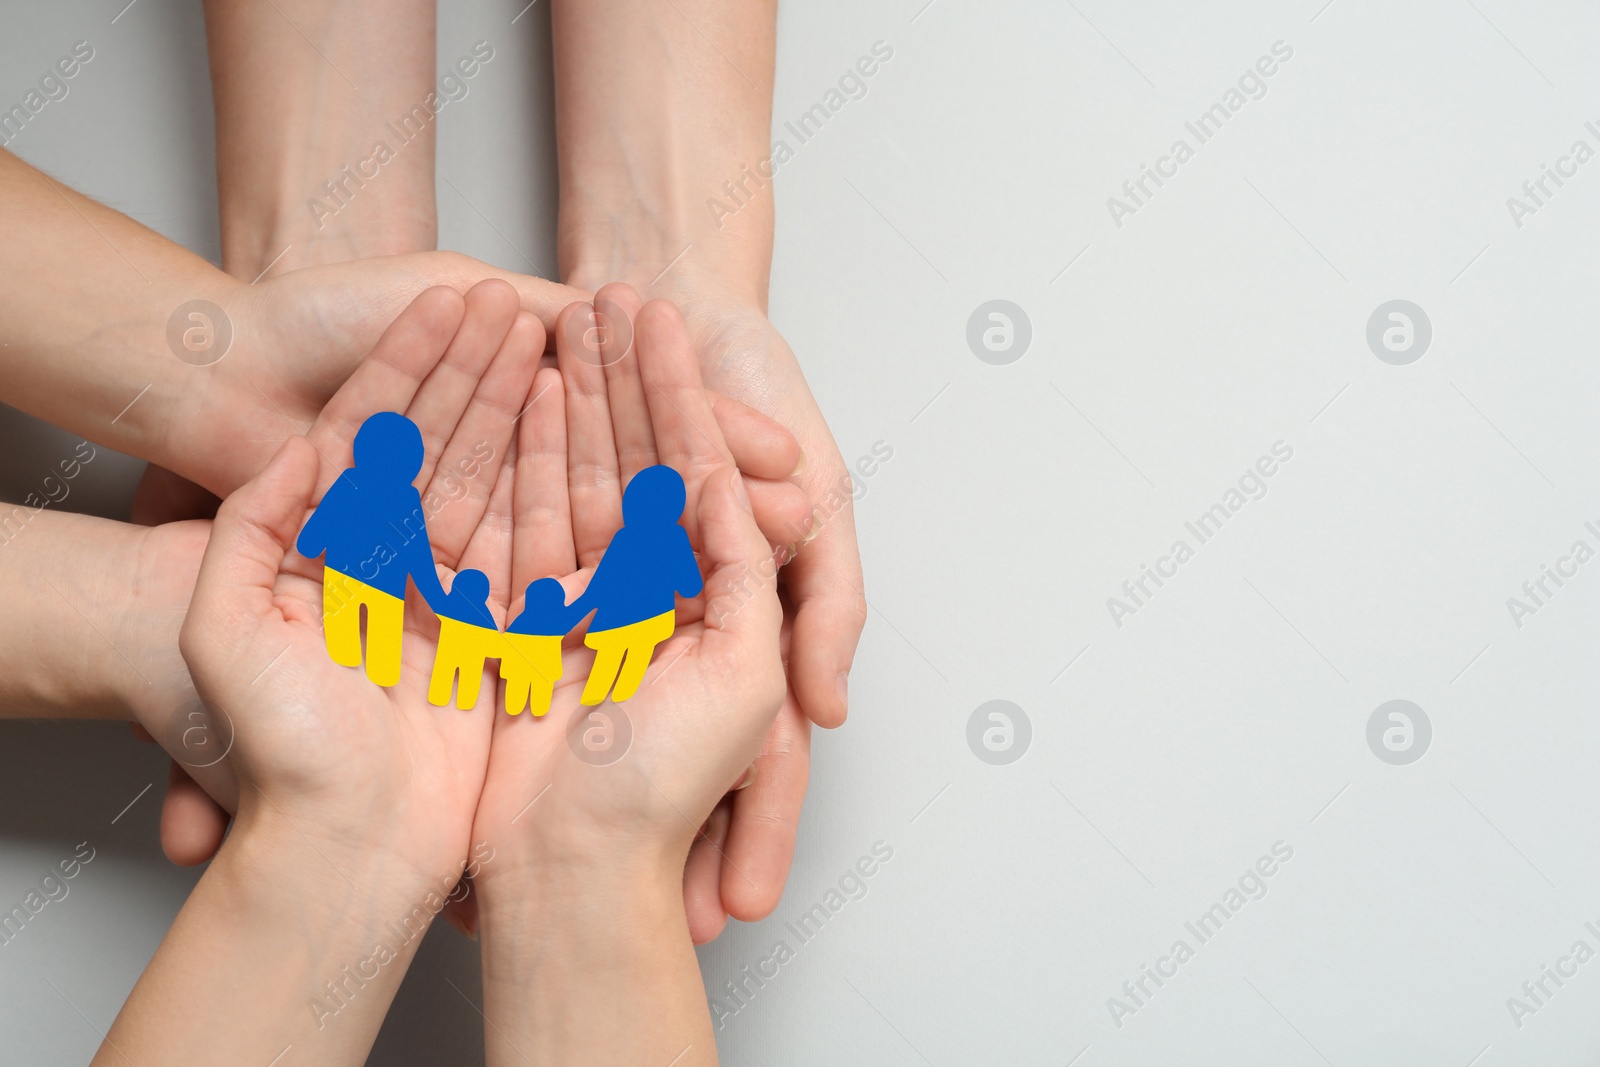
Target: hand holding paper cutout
699 718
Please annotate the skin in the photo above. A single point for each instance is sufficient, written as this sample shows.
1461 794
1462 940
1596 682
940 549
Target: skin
318 751
658 104
133 584
605 847
580 905
630 200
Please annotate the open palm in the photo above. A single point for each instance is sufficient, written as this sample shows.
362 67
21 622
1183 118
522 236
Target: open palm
655 766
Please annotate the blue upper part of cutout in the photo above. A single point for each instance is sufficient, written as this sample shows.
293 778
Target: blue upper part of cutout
649 559
468 600
370 523
545 611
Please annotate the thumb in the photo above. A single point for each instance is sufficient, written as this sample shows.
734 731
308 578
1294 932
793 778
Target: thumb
743 615
253 531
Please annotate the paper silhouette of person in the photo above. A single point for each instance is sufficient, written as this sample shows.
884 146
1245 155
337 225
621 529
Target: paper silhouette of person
467 637
632 591
372 527
532 662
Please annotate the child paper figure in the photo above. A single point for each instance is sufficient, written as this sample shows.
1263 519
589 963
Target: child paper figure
372 527
648 561
467 636
532 663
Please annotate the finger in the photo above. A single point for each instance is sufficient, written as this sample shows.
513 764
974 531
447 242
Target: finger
615 307
702 873
443 399
490 548
781 509
761 447
388 378
542 544
192 825
766 819
254 530
687 436
469 467
544 298
825 588
743 615
593 483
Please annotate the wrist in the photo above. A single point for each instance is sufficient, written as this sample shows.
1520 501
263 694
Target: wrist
289 231
61 564
674 261
558 914
273 854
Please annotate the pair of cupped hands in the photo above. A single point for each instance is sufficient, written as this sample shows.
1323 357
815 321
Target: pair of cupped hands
522 479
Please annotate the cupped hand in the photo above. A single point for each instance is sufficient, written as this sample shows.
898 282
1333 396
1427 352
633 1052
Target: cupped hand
666 757
295 339
317 743
739 867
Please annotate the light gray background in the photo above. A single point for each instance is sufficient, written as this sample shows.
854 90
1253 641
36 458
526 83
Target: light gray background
1171 752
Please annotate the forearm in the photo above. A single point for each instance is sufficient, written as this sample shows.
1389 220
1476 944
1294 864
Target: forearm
584 966
663 111
305 93
281 945
57 644
84 314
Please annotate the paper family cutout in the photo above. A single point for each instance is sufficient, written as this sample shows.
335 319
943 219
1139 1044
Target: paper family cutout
373 530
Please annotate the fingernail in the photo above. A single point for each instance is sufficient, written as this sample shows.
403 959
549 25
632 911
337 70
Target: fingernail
842 687
811 533
740 492
798 467
745 779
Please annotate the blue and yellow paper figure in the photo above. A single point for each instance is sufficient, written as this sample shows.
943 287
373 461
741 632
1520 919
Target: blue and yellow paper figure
468 636
371 525
532 663
648 562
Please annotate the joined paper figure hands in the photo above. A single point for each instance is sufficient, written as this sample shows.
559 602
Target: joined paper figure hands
373 529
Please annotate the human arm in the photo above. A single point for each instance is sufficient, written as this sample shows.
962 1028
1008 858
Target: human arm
318 749
304 90
89 602
89 298
657 116
579 914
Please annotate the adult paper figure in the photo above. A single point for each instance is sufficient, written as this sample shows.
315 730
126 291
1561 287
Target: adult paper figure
372 527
